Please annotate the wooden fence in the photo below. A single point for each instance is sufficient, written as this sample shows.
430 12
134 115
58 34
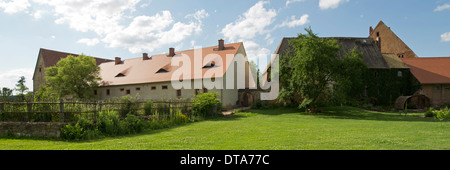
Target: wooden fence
67 111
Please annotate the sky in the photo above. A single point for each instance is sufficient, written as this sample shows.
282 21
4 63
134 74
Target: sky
128 28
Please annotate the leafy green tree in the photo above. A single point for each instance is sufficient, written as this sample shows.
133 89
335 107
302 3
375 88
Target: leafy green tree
314 72
21 88
76 76
5 93
348 78
311 67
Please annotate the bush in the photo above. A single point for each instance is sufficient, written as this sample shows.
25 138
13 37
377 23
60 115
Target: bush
206 104
430 113
128 106
133 124
257 104
148 106
442 114
108 123
83 129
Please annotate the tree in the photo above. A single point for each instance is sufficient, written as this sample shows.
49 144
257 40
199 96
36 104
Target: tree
5 93
313 71
21 88
76 76
348 78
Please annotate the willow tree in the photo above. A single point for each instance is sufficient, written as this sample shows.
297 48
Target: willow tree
74 76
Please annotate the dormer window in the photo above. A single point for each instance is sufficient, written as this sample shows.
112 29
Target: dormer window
210 65
120 75
162 71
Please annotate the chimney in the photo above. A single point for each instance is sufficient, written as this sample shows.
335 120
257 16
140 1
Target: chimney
118 60
145 56
171 52
370 30
221 45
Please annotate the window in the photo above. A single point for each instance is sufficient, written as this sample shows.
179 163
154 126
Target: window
153 87
164 87
128 91
179 93
108 92
400 74
122 89
95 92
205 90
378 34
40 69
138 89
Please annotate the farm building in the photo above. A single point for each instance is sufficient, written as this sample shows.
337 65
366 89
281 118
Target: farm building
150 77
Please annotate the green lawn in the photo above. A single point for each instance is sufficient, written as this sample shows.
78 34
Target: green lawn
278 129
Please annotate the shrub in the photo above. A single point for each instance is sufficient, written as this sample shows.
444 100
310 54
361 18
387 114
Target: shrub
442 114
257 104
133 124
148 106
128 106
206 104
430 113
163 109
107 123
83 129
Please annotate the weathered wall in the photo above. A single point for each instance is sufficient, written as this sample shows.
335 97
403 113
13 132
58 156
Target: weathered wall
390 42
438 93
32 129
39 74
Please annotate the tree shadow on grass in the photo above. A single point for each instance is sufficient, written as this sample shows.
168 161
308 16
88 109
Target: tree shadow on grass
146 131
346 113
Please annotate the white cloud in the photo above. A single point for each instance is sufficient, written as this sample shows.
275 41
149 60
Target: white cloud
327 4
101 16
442 7
296 22
292 1
252 29
152 32
109 19
14 6
89 42
9 78
253 22
445 37
255 51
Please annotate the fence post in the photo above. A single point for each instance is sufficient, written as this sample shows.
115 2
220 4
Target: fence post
61 110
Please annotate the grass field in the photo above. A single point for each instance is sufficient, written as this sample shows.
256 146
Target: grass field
338 128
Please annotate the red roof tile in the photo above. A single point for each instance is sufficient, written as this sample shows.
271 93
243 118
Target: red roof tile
432 70
52 57
139 71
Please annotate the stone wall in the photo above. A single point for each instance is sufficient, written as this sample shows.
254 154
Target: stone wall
32 129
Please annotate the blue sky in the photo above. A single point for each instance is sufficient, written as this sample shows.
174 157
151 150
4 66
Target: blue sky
127 28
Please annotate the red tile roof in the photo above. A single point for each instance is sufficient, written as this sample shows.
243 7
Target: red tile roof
52 57
432 70
139 71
